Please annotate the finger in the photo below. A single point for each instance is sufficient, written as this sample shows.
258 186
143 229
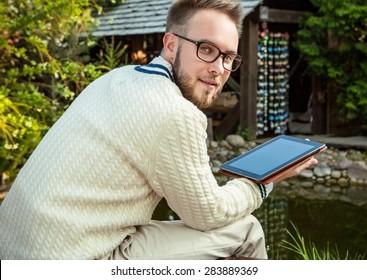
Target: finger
311 162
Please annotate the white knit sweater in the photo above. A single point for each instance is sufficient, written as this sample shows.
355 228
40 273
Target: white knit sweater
127 141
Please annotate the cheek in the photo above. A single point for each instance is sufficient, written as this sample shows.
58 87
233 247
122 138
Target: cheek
226 76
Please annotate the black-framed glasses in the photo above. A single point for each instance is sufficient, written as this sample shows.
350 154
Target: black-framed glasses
209 52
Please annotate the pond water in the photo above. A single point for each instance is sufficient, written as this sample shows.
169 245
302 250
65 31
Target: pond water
322 222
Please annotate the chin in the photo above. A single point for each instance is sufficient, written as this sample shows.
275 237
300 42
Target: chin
205 104
212 98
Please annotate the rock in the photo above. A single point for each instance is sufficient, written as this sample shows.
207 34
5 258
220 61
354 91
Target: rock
216 163
214 144
251 144
322 170
320 180
355 196
222 156
332 182
215 169
236 141
223 153
344 164
344 182
321 189
283 184
231 154
307 173
222 180
353 181
336 174
355 155
307 184
358 170
224 144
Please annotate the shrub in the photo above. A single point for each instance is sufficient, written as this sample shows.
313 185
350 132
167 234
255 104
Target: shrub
44 65
333 42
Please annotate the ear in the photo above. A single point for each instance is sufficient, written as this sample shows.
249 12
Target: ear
170 45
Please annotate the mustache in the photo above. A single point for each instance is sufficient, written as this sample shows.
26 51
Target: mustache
215 80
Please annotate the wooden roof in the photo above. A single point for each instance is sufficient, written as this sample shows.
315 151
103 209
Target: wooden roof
137 17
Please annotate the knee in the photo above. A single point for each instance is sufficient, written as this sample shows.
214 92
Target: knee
254 239
253 227
248 228
254 223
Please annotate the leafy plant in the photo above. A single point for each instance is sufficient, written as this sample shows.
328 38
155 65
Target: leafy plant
219 136
21 134
44 65
244 132
309 251
112 55
333 42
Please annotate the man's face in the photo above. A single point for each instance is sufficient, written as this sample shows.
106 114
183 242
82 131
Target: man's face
201 82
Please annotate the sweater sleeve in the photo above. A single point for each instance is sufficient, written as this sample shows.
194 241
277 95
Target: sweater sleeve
179 171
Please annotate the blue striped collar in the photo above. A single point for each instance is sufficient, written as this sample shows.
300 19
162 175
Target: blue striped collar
159 66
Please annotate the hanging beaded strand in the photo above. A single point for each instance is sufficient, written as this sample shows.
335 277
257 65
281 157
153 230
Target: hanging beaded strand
263 87
273 82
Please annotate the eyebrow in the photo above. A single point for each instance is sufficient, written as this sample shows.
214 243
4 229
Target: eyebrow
211 43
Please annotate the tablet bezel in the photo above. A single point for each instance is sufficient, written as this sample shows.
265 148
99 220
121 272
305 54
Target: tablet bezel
316 147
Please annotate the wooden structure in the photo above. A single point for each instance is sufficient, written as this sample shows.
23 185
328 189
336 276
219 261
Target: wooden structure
245 113
248 81
141 25
141 17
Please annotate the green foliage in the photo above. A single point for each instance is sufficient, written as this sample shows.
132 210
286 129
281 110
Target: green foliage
308 251
21 132
44 65
244 132
112 54
334 43
219 136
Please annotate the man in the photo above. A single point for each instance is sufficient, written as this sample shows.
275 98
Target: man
133 136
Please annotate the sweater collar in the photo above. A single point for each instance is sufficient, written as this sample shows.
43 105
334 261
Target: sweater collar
158 66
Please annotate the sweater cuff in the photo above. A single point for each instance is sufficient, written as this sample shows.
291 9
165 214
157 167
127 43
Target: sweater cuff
265 189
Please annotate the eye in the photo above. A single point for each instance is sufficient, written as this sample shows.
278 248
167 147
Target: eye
206 49
229 58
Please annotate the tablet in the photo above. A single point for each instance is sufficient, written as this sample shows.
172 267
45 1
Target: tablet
271 157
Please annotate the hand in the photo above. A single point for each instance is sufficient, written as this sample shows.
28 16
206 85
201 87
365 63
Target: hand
296 169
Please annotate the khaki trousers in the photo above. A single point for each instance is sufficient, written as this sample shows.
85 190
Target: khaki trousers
173 240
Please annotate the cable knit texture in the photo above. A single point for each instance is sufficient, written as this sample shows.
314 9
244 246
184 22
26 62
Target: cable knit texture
127 141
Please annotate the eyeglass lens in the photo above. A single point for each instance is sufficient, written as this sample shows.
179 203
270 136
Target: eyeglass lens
210 53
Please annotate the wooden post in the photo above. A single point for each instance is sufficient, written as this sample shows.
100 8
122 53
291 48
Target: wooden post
320 123
248 79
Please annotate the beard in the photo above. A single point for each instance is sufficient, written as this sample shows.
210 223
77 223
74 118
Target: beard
202 100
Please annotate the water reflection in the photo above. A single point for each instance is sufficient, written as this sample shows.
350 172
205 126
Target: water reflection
322 222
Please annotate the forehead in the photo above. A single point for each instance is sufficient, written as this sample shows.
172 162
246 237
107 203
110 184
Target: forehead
215 27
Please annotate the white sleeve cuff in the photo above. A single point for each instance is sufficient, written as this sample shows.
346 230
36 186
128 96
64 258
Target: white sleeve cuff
265 189
269 187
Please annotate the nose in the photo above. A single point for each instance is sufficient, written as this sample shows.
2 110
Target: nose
217 66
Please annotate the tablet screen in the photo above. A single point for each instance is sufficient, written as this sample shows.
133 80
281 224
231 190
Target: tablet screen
271 156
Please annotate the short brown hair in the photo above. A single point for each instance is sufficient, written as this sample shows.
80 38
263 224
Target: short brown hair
182 11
